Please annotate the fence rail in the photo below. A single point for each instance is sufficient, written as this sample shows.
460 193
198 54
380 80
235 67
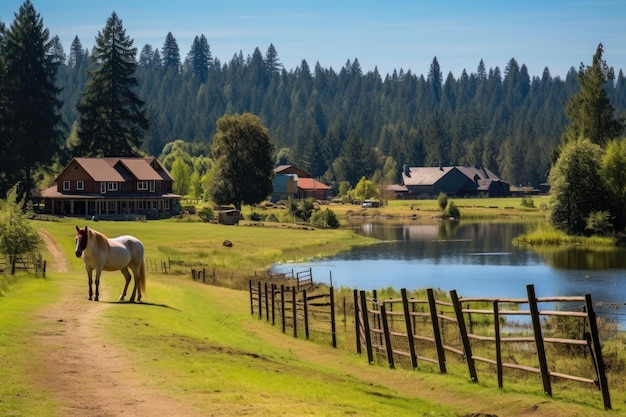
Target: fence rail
294 308
30 262
424 330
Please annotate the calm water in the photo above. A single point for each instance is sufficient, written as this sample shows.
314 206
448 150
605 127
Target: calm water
476 259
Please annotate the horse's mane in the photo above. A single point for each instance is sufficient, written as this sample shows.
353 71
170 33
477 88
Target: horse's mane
100 240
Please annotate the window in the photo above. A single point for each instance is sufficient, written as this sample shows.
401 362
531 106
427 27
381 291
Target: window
142 185
66 185
111 186
151 186
103 188
80 185
166 204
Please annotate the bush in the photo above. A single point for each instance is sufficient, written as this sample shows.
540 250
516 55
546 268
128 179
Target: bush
271 218
206 215
527 202
451 210
599 223
442 201
325 219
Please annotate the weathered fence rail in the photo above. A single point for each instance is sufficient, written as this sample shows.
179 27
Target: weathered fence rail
294 307
424 330
30 262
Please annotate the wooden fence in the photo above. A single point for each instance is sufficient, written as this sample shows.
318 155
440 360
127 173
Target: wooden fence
294 308
29 262
426 330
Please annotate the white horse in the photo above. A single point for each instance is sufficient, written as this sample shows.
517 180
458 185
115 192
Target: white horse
103 254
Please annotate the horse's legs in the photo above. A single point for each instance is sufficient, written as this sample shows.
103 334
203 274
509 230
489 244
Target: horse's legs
136 289
89 275
127 278
98 272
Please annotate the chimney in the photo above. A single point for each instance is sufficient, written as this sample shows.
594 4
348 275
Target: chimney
405 170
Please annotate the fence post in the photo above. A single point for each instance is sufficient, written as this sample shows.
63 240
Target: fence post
364 313
467 347
44 268
496 318
260 300
251 300
282 305
389 349
306 315
333 328
273 287
267 305
409 329
294 309
432 306
541 350
595 337
355 294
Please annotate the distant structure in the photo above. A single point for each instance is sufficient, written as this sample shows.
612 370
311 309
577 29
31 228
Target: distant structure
295 183
460 181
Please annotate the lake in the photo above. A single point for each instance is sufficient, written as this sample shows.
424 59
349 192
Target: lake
477 259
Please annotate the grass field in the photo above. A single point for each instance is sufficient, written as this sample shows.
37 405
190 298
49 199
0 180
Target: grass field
224 361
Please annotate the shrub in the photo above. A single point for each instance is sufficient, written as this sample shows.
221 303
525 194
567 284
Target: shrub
442 201
206 214
451 210
325 219
599 223
271 218
527 202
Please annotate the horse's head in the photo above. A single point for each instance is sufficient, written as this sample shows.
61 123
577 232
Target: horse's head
81 241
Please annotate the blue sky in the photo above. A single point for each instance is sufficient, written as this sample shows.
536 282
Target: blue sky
389 35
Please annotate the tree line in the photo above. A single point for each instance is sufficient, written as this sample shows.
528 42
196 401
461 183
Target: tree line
339 125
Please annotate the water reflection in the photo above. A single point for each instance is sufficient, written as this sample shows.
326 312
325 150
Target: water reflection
476 259
583 258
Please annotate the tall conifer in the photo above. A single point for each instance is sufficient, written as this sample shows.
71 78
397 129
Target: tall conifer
112 119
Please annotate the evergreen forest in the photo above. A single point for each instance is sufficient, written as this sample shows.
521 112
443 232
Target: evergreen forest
340 124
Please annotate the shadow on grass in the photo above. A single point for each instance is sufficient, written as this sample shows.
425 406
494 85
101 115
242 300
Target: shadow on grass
139 304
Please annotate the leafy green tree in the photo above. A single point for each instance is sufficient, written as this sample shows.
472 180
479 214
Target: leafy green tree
451 210
302 209
365 189
17 235
590 112
30 124
112 118
578 187
181 171
242 150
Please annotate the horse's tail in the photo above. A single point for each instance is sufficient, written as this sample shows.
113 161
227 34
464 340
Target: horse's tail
142 277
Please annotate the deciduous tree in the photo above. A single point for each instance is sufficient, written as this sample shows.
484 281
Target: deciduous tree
242 150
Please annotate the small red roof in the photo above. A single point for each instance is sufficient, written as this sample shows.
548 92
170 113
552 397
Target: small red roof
311 184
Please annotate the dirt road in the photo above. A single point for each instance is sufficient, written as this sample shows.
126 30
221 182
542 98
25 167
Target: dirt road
88 375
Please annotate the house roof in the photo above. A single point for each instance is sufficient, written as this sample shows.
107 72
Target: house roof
430 175
291 169
311 184
121 169
424 175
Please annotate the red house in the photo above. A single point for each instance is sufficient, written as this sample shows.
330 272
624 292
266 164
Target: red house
114 188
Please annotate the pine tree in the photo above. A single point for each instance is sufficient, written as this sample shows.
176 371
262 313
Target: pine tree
29 108
112 119
200 59
590 112
170 54
77 54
